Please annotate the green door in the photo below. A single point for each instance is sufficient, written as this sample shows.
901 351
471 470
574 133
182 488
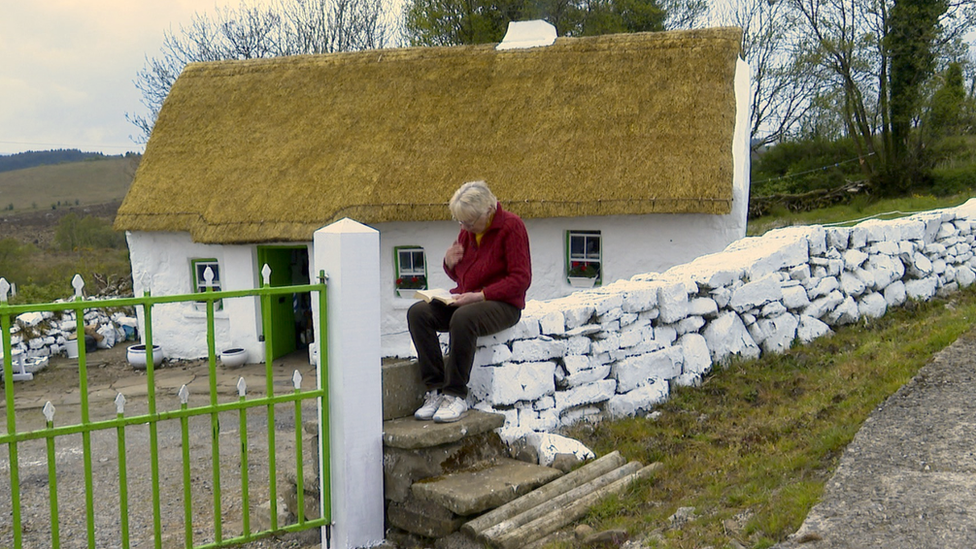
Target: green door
289 266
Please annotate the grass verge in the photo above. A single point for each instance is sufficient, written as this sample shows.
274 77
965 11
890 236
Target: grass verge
751 448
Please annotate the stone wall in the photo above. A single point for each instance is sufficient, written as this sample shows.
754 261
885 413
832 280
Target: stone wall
617 350
42 334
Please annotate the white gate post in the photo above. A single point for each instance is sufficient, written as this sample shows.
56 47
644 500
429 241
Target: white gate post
349 254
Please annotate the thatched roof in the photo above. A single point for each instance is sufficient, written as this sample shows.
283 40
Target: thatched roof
271 150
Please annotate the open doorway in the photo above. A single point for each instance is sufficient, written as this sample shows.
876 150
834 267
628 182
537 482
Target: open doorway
291 314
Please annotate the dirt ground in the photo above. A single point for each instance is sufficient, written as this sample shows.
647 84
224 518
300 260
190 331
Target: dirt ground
108 375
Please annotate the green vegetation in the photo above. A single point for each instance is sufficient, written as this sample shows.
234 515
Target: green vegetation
751 448
75 183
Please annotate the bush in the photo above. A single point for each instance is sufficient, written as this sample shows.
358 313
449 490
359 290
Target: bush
801 166
75 233
954 180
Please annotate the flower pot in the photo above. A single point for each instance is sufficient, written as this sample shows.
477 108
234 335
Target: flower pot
232 358
71 347
136 355
406 292
582 281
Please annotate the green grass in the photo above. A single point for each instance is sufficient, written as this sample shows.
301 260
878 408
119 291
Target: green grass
751 448
70 184
859 209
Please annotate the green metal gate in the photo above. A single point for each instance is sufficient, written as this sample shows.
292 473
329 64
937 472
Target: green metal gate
211 529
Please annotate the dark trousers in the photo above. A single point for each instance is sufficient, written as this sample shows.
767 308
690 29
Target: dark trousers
465 324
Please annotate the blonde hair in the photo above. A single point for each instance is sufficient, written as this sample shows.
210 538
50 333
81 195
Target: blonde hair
471 201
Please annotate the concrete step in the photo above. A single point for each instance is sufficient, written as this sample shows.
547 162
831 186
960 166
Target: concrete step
403 389
408 433
486 486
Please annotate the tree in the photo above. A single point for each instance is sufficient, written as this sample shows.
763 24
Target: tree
784 88
879 55
288 27
456 22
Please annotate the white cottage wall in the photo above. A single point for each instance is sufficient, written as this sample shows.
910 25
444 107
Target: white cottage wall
161 265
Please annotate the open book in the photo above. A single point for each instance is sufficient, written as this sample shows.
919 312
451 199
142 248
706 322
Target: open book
438 294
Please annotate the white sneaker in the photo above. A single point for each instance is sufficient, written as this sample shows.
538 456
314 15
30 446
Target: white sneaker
452 409
432 401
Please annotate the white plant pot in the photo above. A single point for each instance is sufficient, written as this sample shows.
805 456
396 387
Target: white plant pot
582 281
136 355
233 358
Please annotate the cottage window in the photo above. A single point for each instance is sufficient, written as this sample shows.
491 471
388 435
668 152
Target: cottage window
410 269
199 268
584 259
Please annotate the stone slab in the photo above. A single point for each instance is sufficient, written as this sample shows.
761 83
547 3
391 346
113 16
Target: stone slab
422 518
409 434
480 489
403 389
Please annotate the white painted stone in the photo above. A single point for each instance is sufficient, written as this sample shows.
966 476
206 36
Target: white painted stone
553 323
895 293
586 376
610 343
965 276
757 293
934 249
512 382
845 313
838 237
578 315
627 319
946 230
795 297
578 345
776 250
575 364
800 272
756 332
576 415
885 269
887 248
697 357
938 266
824 286
810 328
641 399
872 305
820 306
633 372
673 302
702 306
853 259
665 335
495 354
690 324
538 349
32 318
772 309
851 284
721 296
634 334
599 391
550 445
687 380
727 336
920 267
921 289
780 332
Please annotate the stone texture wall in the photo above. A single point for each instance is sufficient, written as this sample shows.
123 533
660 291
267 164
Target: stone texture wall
618 349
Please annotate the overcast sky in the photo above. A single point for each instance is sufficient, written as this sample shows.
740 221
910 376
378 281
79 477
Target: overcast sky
67 69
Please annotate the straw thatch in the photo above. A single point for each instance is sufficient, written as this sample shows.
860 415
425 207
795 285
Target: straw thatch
270 150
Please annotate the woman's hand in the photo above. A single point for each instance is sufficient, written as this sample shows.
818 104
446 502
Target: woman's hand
453 255
468 298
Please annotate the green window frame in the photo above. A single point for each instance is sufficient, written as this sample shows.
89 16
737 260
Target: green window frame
584 255
409 268
197 269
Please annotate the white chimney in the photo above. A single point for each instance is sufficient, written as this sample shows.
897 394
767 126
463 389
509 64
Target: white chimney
527 34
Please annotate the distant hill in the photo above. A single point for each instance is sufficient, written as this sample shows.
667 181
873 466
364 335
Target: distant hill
84 183
31 159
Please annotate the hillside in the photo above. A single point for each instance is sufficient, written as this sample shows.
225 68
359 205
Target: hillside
86 183
30 159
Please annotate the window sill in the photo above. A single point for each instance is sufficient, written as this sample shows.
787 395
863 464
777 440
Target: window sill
403 303
195 314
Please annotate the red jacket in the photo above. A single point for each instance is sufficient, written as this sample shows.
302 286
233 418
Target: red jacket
500 267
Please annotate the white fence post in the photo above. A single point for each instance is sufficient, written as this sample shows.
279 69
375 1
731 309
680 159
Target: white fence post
349 254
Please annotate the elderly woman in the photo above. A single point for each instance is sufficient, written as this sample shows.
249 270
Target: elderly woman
490 263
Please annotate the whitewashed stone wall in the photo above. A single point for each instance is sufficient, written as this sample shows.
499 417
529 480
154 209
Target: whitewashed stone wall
617 350
42 334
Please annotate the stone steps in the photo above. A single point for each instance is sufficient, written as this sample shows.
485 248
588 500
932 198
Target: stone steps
440 475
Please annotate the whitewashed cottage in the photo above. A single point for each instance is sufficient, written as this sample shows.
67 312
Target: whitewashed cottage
624 154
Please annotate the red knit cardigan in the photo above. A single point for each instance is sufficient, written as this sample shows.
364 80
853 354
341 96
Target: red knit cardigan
500 267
